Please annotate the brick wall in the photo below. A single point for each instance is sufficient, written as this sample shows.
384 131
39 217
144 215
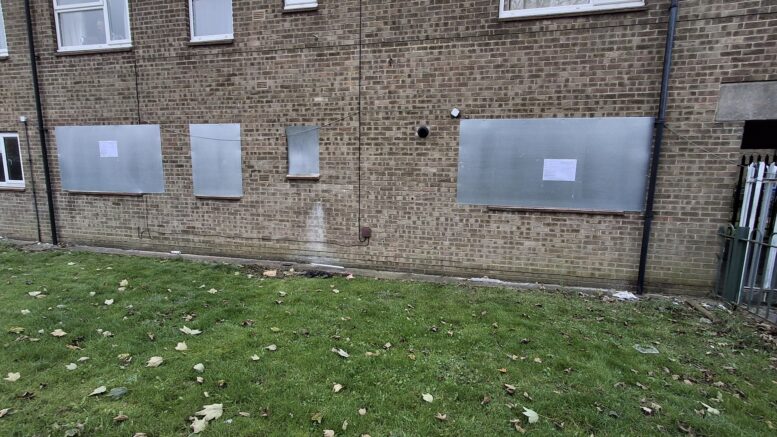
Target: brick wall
420 59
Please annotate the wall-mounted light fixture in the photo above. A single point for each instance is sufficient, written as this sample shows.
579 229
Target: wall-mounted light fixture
455 113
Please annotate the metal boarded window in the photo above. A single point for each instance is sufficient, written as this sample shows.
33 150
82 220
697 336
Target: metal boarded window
217 165
302 142
593 164
123 159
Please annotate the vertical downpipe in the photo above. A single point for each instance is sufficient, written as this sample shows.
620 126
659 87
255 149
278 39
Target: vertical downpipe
659 138
41 128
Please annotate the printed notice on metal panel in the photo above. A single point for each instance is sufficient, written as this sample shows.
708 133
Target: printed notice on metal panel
564 170
109 149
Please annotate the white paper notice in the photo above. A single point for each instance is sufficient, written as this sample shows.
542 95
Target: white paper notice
109 149
559 170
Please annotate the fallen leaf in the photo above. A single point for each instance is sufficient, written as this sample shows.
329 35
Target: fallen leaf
190 331
82 359
272 348
531 414
124 283
244 414
210 412
15 330
25 312
199 367
254 357
362 411
510 389
711 410
4 412
213 291
317 417
98 391
198 425
329 433
340 352
486 400
58 333
36 294
120 418
109 301
107 334
12 377
154 362
502 370
427 397
526 395
181 347
337 387
647 411
71 366
199 379
441 417
387 346
538 360
275 329
349 277
270 273
345 425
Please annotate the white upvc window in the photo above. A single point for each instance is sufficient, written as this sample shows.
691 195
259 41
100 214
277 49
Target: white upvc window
92 24
3 41
11 170
210 20
300 5
509 9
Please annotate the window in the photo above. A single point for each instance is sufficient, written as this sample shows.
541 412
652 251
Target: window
92 24
11 172
537 8
300 5
3 42
302 143
210 20
760 134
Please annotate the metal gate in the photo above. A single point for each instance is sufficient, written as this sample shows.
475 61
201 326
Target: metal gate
747 271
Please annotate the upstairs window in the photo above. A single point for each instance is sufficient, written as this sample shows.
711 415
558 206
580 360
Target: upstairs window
11 172
3 42
538 8
300 5
92 24
210 20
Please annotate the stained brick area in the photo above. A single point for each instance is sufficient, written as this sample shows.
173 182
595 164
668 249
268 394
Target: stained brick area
420 59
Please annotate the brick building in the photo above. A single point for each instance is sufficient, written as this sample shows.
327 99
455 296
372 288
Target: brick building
364 75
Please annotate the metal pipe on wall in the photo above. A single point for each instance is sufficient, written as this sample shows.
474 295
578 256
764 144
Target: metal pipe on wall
659 138
32 177
41 128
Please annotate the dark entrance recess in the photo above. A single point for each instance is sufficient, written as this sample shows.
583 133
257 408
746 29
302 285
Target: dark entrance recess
760 134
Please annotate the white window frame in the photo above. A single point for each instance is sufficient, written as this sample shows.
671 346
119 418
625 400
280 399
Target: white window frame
593 6
92 5
9 183
4 36
205 38
299 5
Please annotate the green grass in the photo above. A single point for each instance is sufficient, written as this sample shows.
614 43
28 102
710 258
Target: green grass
586 382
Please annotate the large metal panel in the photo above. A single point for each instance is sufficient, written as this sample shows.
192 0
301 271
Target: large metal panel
216 160
303 148
747 101
111 159
598 164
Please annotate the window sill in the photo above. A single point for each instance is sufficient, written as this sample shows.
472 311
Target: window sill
210 42
103 193
539 13
301 8
12 188
3 56
94 51
310 177
495 208
232 198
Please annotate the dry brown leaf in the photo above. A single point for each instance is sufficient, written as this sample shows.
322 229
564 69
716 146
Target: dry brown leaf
427 397
58 333
190 331
362 411
337 387
510 389
98 391
272 348
340 352
270 273
317 417
13 377
199 367
329 433
441 417
120 418
181 346
4 412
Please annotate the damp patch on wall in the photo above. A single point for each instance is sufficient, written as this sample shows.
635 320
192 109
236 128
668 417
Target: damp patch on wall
123 159
217 168
596 164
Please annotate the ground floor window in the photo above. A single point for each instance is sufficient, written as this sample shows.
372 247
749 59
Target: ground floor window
11 172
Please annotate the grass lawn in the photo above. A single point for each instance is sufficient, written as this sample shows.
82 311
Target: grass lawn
569 358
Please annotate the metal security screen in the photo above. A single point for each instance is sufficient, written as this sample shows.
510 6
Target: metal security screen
597 164
111 159
216 160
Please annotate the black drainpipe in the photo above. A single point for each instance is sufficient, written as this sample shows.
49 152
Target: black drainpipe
659 138
41 129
